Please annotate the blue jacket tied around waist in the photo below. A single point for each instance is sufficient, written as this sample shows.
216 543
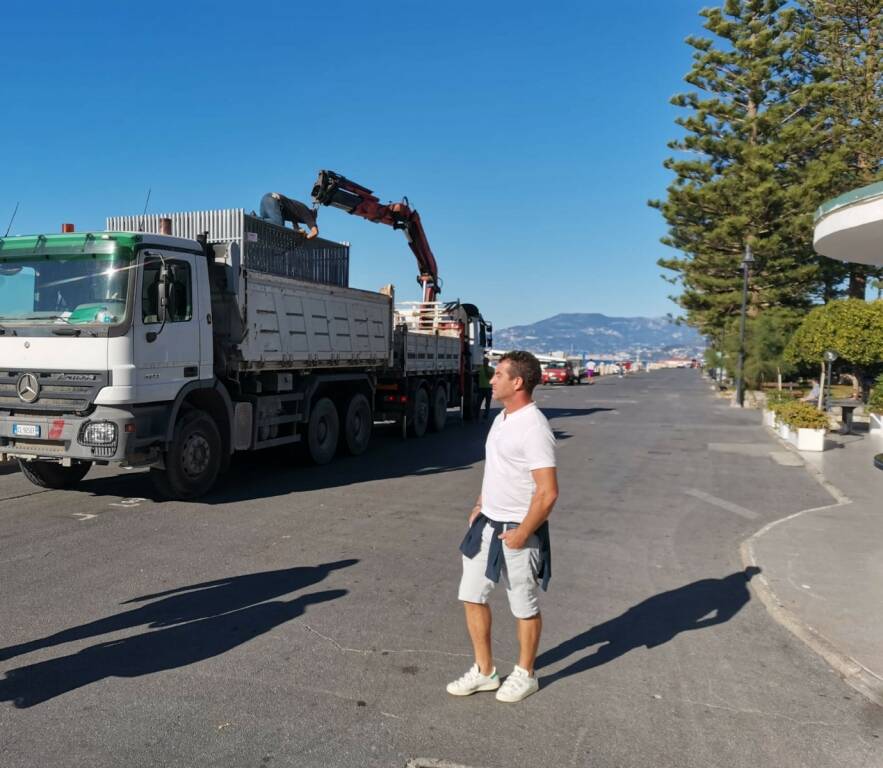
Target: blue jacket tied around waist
471 546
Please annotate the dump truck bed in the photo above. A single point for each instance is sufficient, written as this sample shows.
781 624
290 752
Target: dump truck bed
295 324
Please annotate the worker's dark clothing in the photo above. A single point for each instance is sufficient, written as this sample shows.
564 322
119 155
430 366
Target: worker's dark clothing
283 209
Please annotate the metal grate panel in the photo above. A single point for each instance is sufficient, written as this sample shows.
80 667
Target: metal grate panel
264 247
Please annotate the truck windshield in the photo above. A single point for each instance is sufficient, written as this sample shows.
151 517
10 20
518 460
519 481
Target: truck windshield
79 288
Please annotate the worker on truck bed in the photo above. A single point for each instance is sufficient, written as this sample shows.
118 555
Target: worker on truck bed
277 208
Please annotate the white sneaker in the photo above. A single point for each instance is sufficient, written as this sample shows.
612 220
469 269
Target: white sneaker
473 682
519 685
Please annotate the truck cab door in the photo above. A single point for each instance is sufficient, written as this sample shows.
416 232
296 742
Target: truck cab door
167 343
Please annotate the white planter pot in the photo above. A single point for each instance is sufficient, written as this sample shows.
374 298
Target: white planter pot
811 439
877 424
769 418
784 430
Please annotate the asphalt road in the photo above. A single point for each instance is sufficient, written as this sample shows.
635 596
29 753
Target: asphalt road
308 616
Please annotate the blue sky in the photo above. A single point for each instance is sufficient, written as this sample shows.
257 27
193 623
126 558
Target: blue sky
529 136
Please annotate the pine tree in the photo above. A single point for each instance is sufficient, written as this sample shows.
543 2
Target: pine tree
766 337
737 188
842 109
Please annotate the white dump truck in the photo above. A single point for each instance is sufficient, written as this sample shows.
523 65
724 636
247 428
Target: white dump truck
173 341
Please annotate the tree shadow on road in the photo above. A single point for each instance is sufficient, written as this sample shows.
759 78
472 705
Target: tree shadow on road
190 624
266 474
653 622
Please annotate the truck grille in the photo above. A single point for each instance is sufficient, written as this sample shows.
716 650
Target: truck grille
59 391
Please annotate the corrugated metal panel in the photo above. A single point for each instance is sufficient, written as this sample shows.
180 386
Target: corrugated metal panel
223 226
265 247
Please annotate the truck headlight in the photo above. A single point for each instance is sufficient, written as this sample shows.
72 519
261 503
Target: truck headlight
98 433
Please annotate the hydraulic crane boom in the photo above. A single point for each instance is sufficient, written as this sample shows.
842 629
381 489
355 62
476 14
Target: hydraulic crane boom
339 192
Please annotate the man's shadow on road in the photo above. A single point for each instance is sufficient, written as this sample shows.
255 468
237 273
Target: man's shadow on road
653 622
189 624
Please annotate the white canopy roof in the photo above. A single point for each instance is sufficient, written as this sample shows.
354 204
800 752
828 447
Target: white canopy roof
850 227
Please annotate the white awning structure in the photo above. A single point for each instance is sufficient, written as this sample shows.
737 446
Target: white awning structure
850 227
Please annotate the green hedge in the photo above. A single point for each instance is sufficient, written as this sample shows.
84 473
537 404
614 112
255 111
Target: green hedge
875 400
799 415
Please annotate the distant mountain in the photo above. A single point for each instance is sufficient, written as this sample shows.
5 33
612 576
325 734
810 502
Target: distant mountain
596 335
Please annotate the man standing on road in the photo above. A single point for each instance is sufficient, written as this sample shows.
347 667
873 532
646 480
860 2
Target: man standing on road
508 530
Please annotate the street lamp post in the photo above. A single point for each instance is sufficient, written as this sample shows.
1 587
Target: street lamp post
830 358
747 261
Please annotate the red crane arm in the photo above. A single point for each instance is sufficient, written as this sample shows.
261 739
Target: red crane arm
339 192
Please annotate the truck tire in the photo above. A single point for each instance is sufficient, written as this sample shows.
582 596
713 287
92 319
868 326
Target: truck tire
48 474
439 409
418 419
357 424
193 461
323 431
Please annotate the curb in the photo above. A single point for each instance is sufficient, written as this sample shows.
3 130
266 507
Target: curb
854 674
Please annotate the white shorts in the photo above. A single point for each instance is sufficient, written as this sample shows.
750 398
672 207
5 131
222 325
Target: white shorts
520 567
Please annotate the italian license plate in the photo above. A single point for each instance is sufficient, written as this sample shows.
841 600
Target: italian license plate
26 430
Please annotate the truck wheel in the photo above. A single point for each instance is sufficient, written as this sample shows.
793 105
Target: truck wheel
419 415
439 409
357 425
193 460
48 474
323 431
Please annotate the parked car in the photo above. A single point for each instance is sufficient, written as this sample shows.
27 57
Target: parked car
559 372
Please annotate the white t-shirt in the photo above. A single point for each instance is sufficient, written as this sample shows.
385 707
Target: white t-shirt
517 444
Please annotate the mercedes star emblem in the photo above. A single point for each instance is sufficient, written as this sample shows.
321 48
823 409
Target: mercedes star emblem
28 388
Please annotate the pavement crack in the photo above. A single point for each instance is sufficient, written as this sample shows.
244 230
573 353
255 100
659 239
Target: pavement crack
372 651
23 495
763 713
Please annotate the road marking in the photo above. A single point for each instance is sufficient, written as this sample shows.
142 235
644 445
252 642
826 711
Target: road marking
745 449
131 502
722 503
786 459
83 516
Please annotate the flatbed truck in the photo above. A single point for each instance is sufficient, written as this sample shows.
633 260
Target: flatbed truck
174 341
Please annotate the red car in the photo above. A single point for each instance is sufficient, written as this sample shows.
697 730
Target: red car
559 373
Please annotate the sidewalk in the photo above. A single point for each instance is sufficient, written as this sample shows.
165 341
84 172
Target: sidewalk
823 568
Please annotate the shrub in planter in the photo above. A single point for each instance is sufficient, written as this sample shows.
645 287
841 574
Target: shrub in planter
779 408
798 415
775 400
808 426
778 397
